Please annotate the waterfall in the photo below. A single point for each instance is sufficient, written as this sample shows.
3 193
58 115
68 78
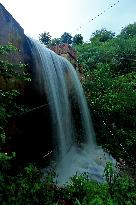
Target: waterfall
57 79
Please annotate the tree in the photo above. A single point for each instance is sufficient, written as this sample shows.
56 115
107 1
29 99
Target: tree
66 38
77 39
55 41
45 38
109 82
128 31
102 35
118 52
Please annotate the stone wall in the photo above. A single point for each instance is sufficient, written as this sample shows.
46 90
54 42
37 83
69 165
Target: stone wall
66 51
11 32
30 139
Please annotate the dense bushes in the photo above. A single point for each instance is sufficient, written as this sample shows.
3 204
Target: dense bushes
26 188
29 187
11 76
109 82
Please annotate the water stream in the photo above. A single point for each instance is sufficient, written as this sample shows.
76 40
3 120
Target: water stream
57 79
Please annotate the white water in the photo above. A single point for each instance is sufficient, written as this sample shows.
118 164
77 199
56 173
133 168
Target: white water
57 79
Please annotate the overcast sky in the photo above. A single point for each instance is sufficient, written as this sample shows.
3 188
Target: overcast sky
73 16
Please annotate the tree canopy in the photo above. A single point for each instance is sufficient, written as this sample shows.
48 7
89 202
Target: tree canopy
102 35
109 65
77 39
129 31
66 37
45 38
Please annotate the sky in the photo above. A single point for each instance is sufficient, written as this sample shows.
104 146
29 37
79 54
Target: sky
73 16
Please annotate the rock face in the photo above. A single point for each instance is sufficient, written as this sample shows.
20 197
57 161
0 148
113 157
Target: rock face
11 32
27 131
66 51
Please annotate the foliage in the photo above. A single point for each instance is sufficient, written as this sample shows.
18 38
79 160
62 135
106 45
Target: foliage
83 191
77 39
118 52
109 82
9 74
31 187
102 35
55 41
66 38
129 31
45 38
117 189
121 186
26 188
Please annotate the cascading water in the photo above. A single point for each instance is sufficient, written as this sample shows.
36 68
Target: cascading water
57 79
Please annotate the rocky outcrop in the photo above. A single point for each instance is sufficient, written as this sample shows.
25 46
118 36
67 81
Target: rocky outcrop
27 131
11 32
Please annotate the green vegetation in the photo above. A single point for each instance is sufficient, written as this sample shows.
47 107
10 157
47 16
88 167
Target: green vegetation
46 39
12 77
28 188
109 81
101 36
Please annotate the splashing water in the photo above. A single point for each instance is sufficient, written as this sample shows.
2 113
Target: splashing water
57 79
